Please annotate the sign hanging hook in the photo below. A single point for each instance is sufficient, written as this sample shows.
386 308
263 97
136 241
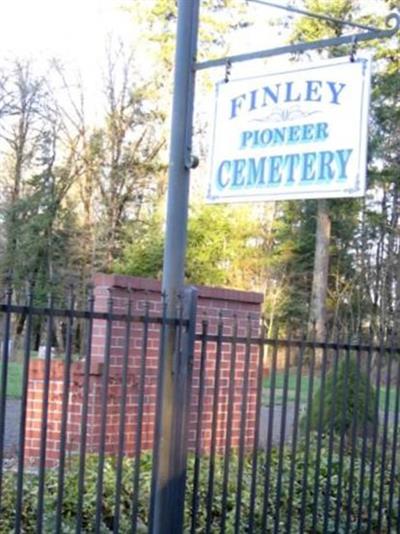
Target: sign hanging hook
353 50
228 70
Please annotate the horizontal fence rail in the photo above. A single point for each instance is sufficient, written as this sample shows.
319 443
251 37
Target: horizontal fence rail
283 435
325 451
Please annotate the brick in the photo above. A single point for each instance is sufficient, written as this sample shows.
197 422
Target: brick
145 293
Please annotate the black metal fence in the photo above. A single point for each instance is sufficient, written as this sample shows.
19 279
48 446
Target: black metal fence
316 447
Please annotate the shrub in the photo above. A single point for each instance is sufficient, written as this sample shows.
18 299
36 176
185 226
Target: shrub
329 504
351 398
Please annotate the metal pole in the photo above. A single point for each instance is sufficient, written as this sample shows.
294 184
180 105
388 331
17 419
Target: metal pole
163 520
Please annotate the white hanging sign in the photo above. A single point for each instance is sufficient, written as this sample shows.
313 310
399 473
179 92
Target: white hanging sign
296 134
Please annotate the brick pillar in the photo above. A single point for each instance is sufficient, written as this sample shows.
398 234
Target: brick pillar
34 414
145 292
212 303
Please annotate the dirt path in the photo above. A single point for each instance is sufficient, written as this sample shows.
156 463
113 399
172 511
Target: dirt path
276 427
13 413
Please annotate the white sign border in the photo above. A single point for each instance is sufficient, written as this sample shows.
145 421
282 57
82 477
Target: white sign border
354 192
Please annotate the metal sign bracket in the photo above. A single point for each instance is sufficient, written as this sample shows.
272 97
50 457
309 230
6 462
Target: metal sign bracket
392 23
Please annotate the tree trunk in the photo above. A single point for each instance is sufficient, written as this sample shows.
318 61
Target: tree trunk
317 318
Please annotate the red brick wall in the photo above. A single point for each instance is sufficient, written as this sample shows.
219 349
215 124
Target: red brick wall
144 292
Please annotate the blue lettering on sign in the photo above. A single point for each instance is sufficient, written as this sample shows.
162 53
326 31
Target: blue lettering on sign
291 95
284 135
327 92
291 163
313 91
279 170
269 93
336 89
236 104
275 170
308 168
343 157
223 174
256 171
326 169
238 178
322 131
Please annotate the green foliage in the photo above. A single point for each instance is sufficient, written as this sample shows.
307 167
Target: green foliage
310 29
216 18
328 507
41 231
71 495
85 197
293 253
348 468
363 264
143 253
222 247
348 396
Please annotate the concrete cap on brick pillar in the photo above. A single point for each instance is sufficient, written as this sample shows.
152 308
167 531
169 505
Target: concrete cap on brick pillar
150 285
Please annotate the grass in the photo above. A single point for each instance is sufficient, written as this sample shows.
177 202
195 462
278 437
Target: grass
14 375
14 387
291 394
14 380
304 388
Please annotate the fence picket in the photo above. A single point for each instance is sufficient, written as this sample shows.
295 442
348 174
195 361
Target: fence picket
310 446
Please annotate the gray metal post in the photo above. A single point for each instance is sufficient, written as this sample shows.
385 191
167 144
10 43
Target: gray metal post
163 520
183 367
180 150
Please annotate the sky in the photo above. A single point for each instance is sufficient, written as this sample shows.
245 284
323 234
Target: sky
75 32
72 29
